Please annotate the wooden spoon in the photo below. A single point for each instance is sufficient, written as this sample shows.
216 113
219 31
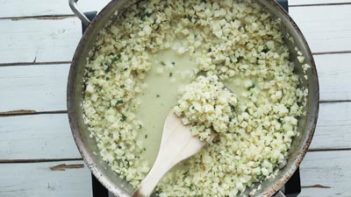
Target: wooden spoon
177 144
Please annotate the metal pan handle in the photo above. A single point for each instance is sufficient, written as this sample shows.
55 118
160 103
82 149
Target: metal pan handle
76 11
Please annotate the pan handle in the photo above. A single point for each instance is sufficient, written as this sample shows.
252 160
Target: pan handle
76 11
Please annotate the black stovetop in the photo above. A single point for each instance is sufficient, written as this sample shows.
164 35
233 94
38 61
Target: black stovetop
291 189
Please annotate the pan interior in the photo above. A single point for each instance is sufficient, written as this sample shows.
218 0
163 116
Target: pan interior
87 145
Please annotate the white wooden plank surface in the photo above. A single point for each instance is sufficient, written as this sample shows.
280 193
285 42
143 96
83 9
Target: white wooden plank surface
36 179
36 137
11 8
327 169
326 28
334 73
43 87
311 2
36 87
333 127
18 8
55 39
48 136
38 40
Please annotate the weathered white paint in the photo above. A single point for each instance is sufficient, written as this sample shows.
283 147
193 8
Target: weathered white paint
45 40
36 179
11 8
311 2
38 40
334 73
326 28
39 87
36 137
42 88
48 136
333 127
330 169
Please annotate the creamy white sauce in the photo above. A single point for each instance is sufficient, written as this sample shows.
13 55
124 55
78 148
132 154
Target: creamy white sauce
161 95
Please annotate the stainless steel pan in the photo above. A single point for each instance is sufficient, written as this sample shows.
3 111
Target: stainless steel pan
88 148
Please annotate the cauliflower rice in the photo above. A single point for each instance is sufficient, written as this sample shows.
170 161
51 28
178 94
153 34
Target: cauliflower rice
231 43
207 106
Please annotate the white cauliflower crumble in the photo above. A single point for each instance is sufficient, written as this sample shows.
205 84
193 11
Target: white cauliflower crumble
228 39
207 106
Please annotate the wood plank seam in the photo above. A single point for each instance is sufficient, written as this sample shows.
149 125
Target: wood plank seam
26 112
33 63
41 17
328 149
315 186
334 101
331 52
55 16
13 161
319 4
69 62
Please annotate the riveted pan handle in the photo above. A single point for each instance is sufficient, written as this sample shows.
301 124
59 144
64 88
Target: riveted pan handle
76 11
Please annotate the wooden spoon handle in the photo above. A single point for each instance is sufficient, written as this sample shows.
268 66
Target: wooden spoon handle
156 173
177 144
162 164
